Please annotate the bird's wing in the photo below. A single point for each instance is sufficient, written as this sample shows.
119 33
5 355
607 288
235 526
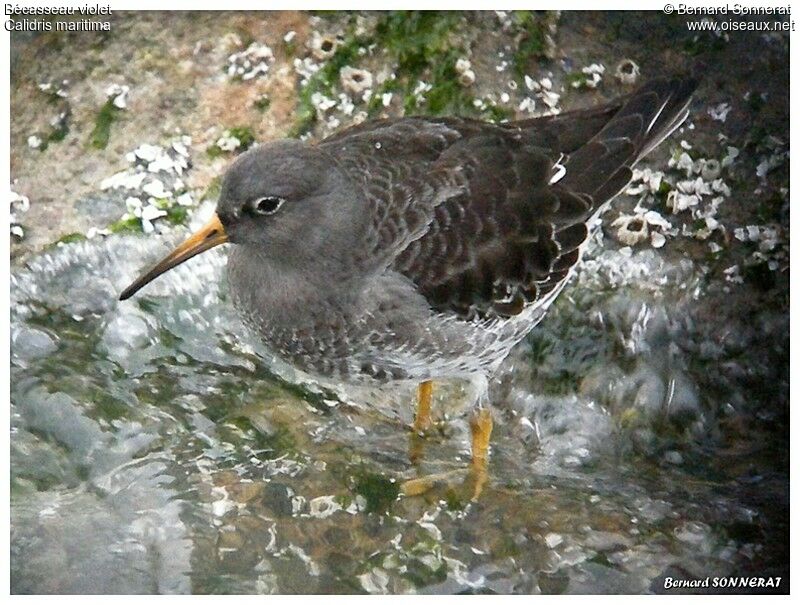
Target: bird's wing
511 238
392 164
462 208
485 219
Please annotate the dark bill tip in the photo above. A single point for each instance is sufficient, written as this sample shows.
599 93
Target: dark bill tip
210 235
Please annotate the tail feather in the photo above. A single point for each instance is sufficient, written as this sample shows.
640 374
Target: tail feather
645 119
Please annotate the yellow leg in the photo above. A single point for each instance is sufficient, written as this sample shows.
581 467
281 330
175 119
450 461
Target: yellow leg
480 426
476 476
422 420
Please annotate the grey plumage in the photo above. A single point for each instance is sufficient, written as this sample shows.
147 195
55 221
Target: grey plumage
420 248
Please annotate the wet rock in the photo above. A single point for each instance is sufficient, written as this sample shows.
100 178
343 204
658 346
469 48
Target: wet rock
601 382
245 491
652 510
102 209
644 440
59 416
552 540
683 401
650 393
109 516
31 343
604 540
124 332
594 578
277 498
696 534
554 583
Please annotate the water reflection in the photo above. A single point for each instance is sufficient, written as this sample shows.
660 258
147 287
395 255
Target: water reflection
156 448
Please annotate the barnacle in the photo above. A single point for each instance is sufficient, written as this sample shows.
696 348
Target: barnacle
355 81
639 227
631 229
323 46
466 78
627 72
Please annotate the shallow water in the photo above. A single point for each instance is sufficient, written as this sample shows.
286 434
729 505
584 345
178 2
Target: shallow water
157 448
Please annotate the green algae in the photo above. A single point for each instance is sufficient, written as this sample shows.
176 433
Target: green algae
102 124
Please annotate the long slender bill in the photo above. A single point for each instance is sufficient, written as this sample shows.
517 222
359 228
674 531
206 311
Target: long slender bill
210 235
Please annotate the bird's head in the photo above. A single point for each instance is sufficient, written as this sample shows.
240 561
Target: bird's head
269 197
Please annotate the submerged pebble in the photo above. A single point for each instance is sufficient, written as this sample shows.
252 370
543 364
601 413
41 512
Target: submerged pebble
30 343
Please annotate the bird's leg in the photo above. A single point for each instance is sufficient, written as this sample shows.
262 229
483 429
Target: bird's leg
480 426
477 474
422 421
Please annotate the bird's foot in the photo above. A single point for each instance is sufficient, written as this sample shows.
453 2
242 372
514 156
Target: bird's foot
473 478
464 484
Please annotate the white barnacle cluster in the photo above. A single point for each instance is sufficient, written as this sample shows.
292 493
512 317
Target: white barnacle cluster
484 103
503 64
338 102
153 183
228 142
593 76
643 225
719 112
326 108
645 181
57 90
701 191
119 94
147 212
542 90
466 76
698 191
506 20
420 89
252 62
733 274
305 68
58 123
773 153
18 204
174 159
769 242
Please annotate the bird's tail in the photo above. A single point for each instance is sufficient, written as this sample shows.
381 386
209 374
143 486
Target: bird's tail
642 122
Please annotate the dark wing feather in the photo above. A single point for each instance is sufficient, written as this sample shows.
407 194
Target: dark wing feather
392 162
467 210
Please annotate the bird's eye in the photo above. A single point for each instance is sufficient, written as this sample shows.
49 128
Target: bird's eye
267 205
